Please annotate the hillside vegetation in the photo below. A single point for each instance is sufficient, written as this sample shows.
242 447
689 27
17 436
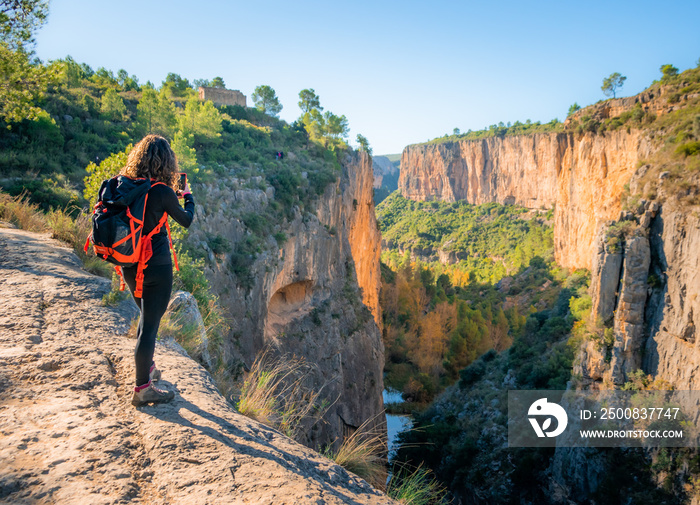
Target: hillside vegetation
88 116
482 243
438 318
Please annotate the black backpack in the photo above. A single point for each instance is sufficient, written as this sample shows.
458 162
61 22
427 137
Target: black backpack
117 226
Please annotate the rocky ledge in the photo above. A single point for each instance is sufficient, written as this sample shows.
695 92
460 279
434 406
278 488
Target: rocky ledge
68 433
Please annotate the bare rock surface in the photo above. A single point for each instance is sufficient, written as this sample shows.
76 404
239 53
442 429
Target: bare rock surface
69 435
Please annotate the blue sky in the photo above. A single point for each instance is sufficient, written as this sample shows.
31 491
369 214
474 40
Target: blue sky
401 71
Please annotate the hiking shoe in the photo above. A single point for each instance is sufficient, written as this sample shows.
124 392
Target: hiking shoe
148 393
154 373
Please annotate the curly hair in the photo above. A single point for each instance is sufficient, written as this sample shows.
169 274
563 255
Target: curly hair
153 158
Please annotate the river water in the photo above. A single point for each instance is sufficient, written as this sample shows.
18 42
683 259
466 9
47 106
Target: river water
395 424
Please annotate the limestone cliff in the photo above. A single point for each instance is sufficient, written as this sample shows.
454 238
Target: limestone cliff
69 434
304 296
581 176
647 290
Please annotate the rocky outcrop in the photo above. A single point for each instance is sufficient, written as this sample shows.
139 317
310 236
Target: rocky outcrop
671 347
581 176
314 294
629 315
654 100
605 278
652 286
69 434
363 233
184 312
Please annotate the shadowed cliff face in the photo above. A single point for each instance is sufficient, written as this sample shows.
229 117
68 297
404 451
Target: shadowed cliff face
582 177
315 296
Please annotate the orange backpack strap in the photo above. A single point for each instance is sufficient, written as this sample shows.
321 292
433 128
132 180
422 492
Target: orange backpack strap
170 241
164 220
122 284
147 252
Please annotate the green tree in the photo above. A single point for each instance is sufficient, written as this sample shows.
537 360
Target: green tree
69 72
19 19
668 72
127 83
155 113
175 86
314 124
147 109
309 100
109 167
113 106
266 100
612 83
21 84
217 82
336 127
364 144
21 81
186 154
104 78
455 131
201 120
574 108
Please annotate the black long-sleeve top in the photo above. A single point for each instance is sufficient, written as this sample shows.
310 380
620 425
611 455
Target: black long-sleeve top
161 199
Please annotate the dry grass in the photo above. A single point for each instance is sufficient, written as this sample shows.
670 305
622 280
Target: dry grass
364 453
21 213
75 231
274 393
417 487
133 328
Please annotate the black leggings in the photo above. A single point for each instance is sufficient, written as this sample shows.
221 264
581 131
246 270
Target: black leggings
157 285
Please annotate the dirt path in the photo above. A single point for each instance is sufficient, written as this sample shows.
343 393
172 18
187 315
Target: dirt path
69 435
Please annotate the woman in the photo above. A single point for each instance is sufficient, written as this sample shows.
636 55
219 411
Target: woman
153 158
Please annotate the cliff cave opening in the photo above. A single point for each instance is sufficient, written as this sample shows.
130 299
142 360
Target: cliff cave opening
288 303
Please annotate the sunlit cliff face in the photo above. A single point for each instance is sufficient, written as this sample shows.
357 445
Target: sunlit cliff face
582 177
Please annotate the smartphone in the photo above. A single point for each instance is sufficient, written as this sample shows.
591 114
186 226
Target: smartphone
183 181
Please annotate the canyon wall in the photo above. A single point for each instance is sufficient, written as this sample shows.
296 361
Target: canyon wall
645 284
581 176
314 295
646 290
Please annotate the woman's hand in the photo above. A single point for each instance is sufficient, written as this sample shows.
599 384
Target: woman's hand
181 193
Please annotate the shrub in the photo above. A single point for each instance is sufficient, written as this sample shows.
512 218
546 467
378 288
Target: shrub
47 193
689 148
418 487
580 307
219 244
281 238
114 297
362 453
472 373
273 393
242 260
97 173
